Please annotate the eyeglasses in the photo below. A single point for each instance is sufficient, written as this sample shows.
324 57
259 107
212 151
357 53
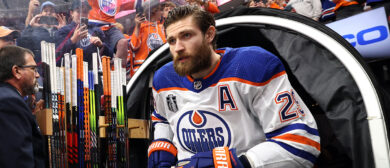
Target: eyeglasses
8 38
33 67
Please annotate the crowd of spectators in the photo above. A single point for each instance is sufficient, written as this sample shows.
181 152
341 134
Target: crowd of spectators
102 33
324 11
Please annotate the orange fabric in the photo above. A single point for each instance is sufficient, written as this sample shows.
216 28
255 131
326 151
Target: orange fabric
130 62
299 139
221 157
275 6
154 118
162 145
172 88
105 28
212 8
97 14
140 44
250 82
341 3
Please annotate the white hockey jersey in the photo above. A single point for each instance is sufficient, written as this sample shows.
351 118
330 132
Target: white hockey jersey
246 102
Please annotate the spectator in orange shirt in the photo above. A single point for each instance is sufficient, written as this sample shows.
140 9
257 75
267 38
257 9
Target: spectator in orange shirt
148 32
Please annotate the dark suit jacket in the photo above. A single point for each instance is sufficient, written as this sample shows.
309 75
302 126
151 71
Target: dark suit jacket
21 142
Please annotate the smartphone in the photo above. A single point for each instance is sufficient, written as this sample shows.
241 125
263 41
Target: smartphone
49 20
139 9
84 21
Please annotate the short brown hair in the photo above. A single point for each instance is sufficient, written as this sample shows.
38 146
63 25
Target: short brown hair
168 4
10 56
202 18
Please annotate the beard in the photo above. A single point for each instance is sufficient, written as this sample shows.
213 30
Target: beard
30 89
197 62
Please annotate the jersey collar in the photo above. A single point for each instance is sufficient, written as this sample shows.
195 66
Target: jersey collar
221 53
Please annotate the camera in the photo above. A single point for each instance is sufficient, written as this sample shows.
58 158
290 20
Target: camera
49 20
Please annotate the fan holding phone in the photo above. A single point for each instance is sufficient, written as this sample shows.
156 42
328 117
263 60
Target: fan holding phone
40 27
48 17
80 34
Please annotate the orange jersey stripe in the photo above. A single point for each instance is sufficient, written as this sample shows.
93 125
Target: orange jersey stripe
172 88
249 82
215 69
155 118
299 139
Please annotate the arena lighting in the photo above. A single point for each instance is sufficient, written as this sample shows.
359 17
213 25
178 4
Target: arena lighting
377 127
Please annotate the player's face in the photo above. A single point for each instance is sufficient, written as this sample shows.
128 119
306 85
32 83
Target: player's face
191 51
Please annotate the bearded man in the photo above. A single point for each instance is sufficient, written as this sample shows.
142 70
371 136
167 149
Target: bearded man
21 143
231 107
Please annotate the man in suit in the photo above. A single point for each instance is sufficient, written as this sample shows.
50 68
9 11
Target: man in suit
21 143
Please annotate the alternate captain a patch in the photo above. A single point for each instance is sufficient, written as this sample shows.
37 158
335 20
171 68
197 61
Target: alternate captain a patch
225 98
171 103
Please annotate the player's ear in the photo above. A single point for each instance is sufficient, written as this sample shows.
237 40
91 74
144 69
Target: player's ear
210 34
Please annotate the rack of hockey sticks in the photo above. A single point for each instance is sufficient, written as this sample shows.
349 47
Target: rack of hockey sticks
87 110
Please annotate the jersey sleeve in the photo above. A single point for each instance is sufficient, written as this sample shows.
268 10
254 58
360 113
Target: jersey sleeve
160 123
135 42
292 139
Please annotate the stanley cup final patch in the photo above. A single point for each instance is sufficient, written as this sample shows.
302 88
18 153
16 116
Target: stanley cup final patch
171 103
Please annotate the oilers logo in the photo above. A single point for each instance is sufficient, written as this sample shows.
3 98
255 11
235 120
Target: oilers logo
85 41
154 40
108 7
201 131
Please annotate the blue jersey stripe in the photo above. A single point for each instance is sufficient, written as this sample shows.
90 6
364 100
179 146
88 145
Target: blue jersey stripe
159 116
297 152
292 127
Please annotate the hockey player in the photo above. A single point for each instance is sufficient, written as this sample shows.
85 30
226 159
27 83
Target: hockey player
232 107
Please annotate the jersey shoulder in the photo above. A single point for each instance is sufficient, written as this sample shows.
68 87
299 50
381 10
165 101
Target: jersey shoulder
253 63
166 77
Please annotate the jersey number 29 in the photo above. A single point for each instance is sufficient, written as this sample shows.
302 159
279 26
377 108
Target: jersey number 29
290 109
